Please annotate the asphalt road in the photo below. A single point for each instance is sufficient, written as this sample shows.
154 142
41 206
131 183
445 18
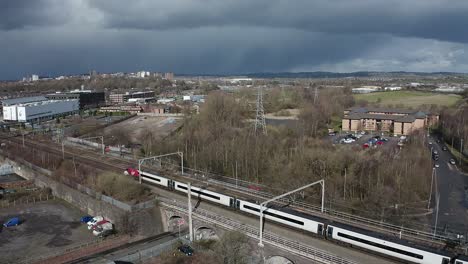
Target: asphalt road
451 183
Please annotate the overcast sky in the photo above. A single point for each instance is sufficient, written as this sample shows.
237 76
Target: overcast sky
54 37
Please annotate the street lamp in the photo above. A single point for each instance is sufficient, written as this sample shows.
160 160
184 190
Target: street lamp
264 204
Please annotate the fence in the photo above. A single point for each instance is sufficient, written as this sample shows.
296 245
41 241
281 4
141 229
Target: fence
289 245
26 200
147 253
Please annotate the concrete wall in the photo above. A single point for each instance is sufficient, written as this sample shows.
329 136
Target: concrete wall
144 222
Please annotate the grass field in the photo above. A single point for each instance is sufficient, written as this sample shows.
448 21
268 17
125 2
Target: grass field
409 98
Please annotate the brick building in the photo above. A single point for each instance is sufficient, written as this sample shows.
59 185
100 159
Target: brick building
394 121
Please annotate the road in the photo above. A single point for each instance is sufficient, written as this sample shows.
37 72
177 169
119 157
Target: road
450 184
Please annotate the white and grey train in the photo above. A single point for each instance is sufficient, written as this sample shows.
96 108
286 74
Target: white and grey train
370 241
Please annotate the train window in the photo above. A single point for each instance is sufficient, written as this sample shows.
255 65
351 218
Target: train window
330 231
149 177
275 215
200 192
374 244
445 261
458 262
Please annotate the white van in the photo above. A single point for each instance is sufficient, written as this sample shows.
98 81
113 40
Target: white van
102 228
94 221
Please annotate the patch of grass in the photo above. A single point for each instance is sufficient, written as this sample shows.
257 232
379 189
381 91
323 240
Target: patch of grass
120 187
409 98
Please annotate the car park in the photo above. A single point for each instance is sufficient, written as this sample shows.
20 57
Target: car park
186 249
12 222
452 161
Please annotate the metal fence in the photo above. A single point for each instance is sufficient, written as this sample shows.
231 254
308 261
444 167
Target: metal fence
117 203
148 253
289 245
26 200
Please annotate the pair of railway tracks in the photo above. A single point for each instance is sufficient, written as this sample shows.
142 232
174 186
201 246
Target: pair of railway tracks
118 164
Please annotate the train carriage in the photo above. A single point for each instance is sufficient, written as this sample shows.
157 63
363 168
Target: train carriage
385 247
205 194
155 179
282 217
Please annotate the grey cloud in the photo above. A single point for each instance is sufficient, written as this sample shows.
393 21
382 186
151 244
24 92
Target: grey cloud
425 19
18 14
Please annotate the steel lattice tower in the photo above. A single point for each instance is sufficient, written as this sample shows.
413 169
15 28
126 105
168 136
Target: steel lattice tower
260 124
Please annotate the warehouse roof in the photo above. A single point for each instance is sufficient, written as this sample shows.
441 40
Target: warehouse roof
46 102
23 100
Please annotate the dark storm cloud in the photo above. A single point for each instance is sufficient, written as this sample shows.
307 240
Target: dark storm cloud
18 14
54 37
436 19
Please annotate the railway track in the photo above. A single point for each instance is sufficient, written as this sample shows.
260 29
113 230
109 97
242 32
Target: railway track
118 165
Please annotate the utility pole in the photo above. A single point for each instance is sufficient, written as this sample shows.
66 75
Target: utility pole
236 173
437 214
461 151
316 95
63 150
189 193
344 187
260 116
430 193
264 204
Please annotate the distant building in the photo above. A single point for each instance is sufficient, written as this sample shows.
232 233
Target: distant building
132 109
34 77
120 98
165 100
37 108
366 89
169 76
87 99
392 88
395 121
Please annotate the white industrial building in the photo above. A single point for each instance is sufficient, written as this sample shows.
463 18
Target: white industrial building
37 108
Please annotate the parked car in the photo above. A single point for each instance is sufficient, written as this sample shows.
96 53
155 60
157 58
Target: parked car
365 145
444 148
85 219
348 140
12 222
436 165
186 249
430 142
452 161
435 152
94 221
99 224
99 229
7 191
380 142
